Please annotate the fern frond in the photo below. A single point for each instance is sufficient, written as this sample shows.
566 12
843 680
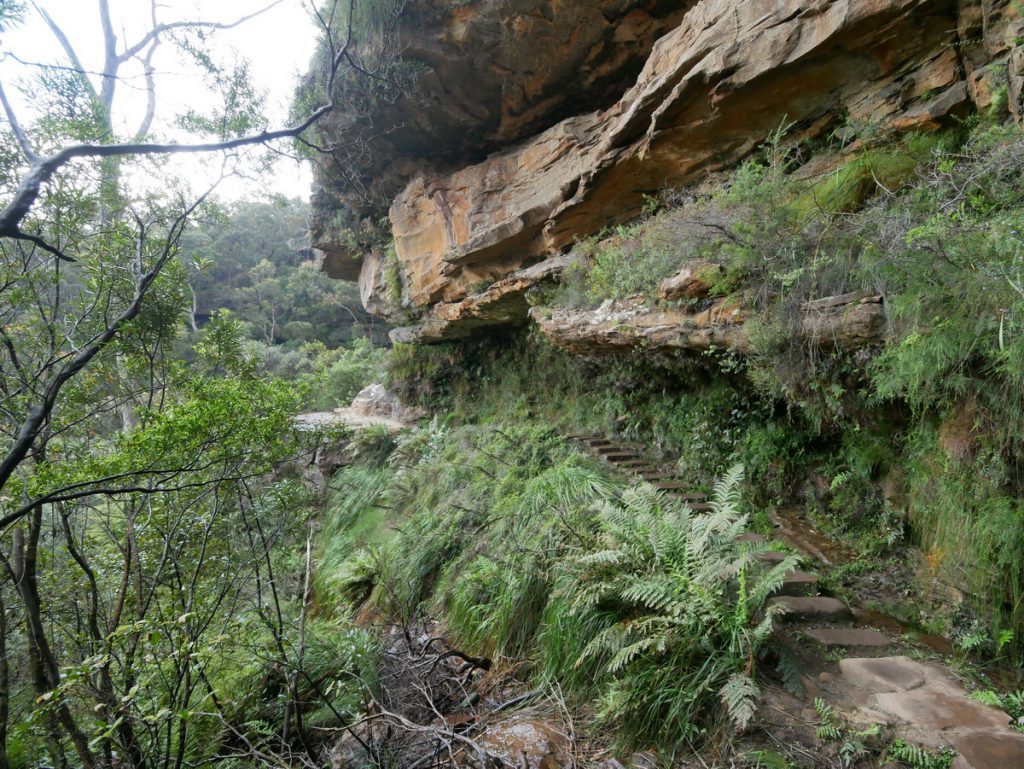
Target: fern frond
740 697
625 656
791 671
726 491
769 582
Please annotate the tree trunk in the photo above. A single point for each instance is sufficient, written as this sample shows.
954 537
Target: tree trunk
46 672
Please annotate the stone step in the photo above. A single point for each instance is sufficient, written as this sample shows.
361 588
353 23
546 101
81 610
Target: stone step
657 475
751 536
925 705
680 486
814 608
678 491
616 451
799 583
630 464
772 557
619 456
847 636
690 496
988 749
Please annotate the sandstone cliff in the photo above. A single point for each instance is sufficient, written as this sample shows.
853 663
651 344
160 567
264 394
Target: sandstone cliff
504 77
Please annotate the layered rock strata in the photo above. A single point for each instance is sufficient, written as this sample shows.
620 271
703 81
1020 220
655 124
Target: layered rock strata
477 77
726 76
847 322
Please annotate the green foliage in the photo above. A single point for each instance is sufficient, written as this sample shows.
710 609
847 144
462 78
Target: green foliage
851 745
677 634
765 759
533 553
1012 703
252 258
354 526
963 512
373 445
916 757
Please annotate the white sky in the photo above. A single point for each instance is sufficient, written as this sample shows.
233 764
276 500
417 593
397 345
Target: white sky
278 43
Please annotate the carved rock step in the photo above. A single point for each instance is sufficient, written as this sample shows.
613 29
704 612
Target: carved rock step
657 475
799 583
681 487
811 608
751 536
631 464
772 557
687 496
699 507
848 637
925 705
988 750
616 452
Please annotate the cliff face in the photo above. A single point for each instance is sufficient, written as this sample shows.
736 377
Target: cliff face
717 77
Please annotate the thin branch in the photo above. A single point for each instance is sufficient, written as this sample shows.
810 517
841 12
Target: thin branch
39 242
134 50
42 171
19 132
69 49
39 413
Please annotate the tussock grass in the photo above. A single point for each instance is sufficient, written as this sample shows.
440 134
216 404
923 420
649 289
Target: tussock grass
532 554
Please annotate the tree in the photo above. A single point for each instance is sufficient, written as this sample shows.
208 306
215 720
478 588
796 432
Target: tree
42 169
143 522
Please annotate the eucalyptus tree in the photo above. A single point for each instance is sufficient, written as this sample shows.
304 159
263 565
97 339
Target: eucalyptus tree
130 555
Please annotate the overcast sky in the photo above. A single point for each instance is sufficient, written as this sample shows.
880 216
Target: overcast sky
278 43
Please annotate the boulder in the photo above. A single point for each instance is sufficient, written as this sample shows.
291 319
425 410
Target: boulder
375 401
694 281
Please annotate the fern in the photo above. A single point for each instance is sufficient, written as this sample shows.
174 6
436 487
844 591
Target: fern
791 670
739 695
828 730
663 580
917 757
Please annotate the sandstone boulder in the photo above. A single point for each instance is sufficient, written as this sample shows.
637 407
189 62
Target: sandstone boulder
694 281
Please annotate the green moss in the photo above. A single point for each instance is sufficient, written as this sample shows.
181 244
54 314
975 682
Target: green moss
393 276
882 170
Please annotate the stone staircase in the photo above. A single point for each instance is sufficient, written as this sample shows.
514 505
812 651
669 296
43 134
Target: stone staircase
920 702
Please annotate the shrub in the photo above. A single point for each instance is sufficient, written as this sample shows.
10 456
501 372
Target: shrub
681 601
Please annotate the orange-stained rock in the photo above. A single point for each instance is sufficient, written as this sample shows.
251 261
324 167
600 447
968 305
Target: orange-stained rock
502 303
477 76
691 282
723 79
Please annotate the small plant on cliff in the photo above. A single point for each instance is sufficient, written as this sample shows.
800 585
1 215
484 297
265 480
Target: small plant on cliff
682 604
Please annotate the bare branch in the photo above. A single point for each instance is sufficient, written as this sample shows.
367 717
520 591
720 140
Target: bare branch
19 132
41 243
110 58
134 50
147 67
69 49
42 171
